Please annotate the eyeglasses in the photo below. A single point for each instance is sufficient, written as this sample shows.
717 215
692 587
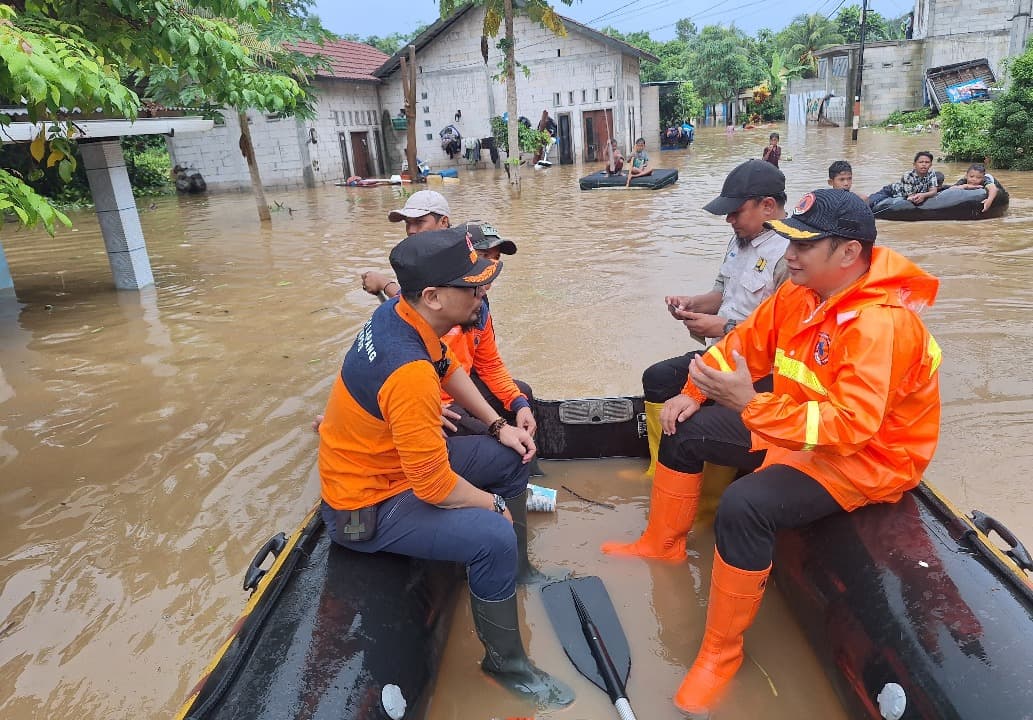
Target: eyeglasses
479 291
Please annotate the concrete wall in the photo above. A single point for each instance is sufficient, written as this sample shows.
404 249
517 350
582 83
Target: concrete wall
650 114
568 75
950 17
893 79
283 146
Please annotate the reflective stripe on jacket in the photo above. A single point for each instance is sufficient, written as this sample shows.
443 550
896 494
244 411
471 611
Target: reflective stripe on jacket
856 400
381 431
477 351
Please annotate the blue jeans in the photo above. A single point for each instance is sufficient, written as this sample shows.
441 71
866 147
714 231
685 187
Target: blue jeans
482 540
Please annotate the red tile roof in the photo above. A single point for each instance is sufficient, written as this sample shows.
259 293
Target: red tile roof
348 60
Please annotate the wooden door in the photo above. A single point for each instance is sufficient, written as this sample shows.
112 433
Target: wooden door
566 140
360 152
598 125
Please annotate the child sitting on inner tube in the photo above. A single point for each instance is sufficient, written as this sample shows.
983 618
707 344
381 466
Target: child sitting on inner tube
977 178
614 159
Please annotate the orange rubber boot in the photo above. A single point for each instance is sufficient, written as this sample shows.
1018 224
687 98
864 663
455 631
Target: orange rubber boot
734 600
672 509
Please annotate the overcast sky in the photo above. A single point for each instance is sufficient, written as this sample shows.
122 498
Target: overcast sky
364 18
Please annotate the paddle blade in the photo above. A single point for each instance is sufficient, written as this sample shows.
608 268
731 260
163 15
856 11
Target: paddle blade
563 614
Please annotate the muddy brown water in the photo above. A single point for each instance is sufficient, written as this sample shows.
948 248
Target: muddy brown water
150 442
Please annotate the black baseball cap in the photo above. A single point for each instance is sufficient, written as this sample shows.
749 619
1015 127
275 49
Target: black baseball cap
828 213
491 238
754 178
440 258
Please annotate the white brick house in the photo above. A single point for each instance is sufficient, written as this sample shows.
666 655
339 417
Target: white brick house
581 79
345 138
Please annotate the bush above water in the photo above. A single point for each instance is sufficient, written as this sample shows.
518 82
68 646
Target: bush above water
965 131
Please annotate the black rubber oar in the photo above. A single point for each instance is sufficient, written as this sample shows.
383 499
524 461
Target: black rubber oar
591 634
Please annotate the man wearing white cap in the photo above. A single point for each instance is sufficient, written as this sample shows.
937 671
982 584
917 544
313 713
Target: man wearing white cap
424 210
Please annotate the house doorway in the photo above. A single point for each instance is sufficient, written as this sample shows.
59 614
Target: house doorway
598 126
360 152
565 140
342 138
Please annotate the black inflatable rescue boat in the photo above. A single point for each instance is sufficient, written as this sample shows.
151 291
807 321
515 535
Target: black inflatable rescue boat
915 612
949 204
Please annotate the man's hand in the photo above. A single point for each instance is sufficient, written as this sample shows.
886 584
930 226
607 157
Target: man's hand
518 439
316 423
678 303
448 415
732 389
678 409
525 419
374 282
986 204
711 326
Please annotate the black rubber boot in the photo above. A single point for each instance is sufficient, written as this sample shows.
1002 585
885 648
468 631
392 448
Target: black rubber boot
504 658
527 574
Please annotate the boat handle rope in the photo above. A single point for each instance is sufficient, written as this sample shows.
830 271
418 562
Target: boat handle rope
1016 550
273 546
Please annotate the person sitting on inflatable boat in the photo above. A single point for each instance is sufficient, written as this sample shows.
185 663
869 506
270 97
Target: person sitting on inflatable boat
475 346
752 270
853 418
613 157
391 482
977 178
917 185
640 160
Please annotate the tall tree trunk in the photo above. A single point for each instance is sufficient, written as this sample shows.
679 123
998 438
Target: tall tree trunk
511 100
248 150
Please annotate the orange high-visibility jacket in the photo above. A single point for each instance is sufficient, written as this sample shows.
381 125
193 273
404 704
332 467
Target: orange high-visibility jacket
477 351
856 400
381 431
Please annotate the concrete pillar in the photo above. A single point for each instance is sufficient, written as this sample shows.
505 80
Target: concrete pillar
6 282
116 211
1019 28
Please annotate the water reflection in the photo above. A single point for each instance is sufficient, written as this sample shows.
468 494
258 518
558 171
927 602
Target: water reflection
150 442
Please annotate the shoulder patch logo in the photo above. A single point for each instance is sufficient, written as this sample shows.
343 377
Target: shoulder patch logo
822 348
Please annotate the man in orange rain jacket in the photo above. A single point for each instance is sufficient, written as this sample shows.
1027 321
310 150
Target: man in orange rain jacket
853 418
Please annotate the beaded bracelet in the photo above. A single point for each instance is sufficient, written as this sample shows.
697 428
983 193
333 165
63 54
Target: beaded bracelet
496 427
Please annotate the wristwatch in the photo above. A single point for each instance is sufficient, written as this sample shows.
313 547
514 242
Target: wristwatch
498 504
729 326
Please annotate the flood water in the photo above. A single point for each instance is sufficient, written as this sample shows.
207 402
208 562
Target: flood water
151 442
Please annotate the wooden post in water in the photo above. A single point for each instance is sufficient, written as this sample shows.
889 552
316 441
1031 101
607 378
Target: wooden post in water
409 91
860 71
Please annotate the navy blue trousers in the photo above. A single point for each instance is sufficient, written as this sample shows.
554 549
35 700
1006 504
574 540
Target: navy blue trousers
482 540
756 506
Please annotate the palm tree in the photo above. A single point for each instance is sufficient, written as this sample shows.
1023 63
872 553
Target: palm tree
806 35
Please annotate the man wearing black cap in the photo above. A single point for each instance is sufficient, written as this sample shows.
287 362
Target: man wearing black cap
852 419
753 267
476 349
391 482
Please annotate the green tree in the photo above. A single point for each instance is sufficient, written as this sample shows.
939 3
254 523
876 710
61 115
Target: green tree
497 12
1011 129
805 36
389 44
680 104
848 25
673 54
56 54
685 30
722 65
965 131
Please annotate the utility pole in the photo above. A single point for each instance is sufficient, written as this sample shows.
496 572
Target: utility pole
409 92
860 70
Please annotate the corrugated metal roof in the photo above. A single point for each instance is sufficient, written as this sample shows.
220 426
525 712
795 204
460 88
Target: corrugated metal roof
348 60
